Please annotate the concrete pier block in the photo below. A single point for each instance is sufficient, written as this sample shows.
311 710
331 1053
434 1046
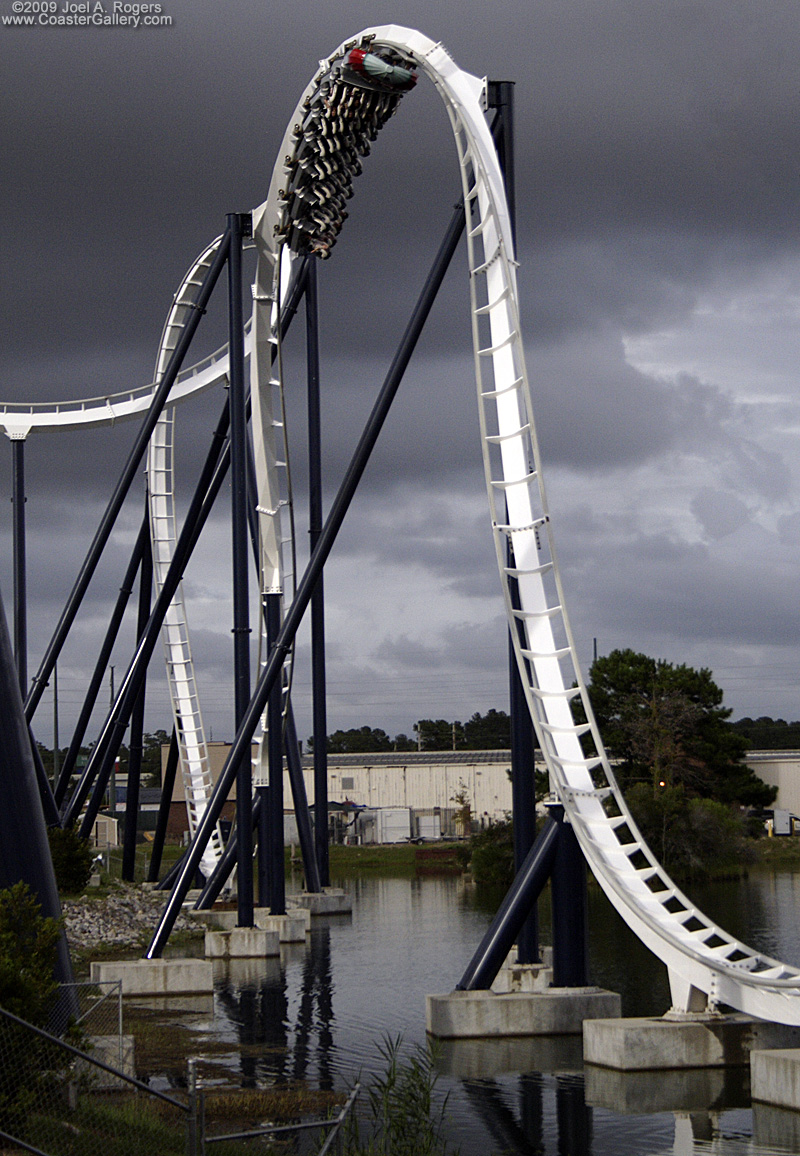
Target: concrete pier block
700 1041
559 1011
116 1051
775 1077
242 943
329 901
156 977
291 927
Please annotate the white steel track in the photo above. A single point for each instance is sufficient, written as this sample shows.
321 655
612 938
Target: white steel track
194 762
707 967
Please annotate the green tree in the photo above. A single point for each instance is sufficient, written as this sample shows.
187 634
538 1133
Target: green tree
402 742
691 837
488 732
769 734
357 740
72 859
439 735
667 726
28 944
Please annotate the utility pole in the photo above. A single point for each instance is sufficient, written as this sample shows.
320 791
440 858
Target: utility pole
55 726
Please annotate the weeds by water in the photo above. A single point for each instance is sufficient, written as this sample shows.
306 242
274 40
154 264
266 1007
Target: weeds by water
403 1116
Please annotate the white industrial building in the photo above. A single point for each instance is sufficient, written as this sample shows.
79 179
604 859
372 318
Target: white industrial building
440 783
780 769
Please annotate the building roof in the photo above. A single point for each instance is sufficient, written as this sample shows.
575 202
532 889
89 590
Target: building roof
414 758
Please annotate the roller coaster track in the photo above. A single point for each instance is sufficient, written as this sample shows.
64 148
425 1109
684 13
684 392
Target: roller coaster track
707 967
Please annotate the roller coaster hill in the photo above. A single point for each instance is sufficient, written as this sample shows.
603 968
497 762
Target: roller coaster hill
326 143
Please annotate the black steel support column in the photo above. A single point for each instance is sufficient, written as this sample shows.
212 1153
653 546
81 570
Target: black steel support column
137 726
208 486
123 485
570 909
24 848
523 782
272 671
107 746
20 576
261 825
277 876
241 608
513 911
300 800
95 682
167 784
318 687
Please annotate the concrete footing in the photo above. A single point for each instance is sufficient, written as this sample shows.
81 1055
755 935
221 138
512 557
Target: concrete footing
329 901
514 976
775 1077
116 1051
242 943
701 1041
291 927
559 1011
156 977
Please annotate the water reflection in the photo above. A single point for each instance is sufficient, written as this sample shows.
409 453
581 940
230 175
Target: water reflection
321 1013
523 1135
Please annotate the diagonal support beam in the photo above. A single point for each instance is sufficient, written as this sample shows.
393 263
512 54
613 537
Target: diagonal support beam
296 612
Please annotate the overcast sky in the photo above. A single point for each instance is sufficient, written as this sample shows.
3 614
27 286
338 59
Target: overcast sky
658 189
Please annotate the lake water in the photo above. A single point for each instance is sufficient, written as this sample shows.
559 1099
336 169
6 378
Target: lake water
322 1012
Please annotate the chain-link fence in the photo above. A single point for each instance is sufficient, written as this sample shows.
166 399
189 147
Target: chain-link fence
60 1097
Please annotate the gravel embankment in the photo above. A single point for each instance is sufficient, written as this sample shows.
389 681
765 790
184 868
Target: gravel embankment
126 915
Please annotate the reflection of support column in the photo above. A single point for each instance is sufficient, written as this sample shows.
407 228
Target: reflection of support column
241 610
531 1108
321 949
259 1010
486 1099
20 578
320 727
574 1117
137 727
570 908
316 986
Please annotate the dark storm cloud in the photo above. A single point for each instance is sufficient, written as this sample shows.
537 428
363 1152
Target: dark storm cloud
656 162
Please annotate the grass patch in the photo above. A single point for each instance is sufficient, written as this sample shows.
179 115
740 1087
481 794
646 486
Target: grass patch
781 849
398 859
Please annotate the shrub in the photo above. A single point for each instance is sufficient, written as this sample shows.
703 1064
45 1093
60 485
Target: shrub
403 1119
692 837
493 854
72 859
28 945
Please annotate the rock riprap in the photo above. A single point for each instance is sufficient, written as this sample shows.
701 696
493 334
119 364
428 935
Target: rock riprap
125 915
